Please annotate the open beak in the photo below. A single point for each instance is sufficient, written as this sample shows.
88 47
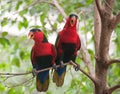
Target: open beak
72 21
30 35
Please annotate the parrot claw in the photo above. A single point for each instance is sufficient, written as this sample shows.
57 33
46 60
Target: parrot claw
77 67
34 72
54 67
61 64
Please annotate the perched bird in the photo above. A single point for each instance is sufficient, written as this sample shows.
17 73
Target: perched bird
67 44
43 55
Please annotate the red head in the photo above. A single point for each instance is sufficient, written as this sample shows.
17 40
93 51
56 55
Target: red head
36 35
71 21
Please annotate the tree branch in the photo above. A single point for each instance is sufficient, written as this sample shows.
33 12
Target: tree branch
89 76
99 6
109 4
52 26
22 83
64 64
60 9
86 59
10 75
97 29
114 61
35 72
114 88
15 74
108 11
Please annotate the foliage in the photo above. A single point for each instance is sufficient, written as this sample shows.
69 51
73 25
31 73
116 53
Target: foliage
117 41
21 15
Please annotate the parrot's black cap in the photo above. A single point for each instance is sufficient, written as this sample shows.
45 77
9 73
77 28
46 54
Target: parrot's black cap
72 14
35 30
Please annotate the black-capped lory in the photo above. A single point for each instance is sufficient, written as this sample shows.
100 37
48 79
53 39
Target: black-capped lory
67 44
43 55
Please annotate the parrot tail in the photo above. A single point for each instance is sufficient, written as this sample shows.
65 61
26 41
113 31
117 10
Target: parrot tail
59 80
42 87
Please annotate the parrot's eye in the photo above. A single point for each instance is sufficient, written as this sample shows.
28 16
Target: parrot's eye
31 35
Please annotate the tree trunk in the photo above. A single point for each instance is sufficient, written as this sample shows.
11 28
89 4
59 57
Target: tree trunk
102 41
101 75
102 60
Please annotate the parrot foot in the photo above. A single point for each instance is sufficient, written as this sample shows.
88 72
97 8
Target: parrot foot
54 67
34 72
61 64
77 67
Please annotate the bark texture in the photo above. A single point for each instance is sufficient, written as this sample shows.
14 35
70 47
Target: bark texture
108 24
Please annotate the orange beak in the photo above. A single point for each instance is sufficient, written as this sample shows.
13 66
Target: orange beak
72 21
30 35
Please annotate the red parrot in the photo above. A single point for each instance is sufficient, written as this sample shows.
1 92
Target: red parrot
43 55
67 44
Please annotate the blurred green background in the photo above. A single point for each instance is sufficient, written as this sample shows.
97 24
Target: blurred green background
17 17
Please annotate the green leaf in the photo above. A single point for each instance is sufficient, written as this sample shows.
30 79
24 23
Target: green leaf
48 92
55 25
79 5
45 32
4 41
89 2
25 22
23 12
4 65
20 25
78 60
117 41
16 62
32 11
36 26
36 9
91 54
4 33
60 18
4 22
18 5
2 88
22 54
14 21
28 2
11 91
42 17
